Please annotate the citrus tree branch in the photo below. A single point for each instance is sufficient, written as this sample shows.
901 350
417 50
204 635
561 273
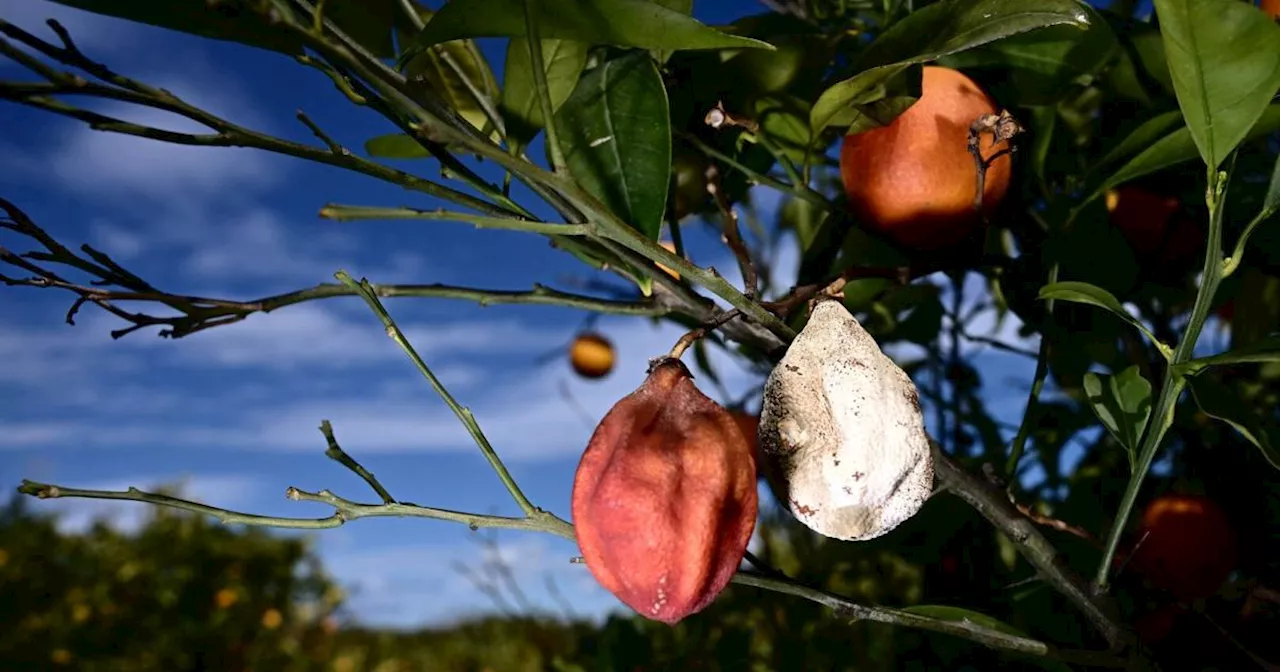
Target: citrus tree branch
112 286
992 502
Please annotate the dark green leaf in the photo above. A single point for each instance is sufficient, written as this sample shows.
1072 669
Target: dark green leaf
1045 63
1141 138
1218 401
563 61
369 22
1083 292
1044 121
943 28
1263 350
1175 148
621 23
1123 403
616 134
1224 56
395 146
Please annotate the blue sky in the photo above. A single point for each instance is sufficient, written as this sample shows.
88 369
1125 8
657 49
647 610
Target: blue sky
232 412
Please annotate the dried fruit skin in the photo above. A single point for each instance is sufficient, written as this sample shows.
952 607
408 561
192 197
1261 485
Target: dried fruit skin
842 439
664 499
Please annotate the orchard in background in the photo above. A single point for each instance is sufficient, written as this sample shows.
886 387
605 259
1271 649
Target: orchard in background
1111 178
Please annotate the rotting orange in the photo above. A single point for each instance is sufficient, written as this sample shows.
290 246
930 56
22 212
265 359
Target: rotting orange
914 181
591 355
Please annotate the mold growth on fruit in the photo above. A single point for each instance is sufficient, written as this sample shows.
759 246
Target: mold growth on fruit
841 433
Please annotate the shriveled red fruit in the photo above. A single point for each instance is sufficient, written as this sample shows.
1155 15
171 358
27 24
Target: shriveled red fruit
1186 546
664 499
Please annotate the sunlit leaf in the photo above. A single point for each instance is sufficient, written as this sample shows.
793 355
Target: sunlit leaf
1225 63
621 23
562 60
395 146
1263 350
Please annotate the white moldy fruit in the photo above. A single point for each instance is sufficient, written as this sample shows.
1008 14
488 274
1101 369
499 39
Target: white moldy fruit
841 434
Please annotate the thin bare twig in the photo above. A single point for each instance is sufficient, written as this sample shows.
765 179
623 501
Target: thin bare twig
677 350
732 235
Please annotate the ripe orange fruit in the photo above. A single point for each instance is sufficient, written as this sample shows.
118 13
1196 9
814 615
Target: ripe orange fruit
1153 224
914 180
1271 7
591 355
1186 546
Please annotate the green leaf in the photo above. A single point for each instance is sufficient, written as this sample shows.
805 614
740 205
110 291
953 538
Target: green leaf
1045 63
442 69
1225 63
1083 292
563 61
1263 350
943 612
395 146
940 29
1123 403
1141 138
1176 148
1218 401
368 22
620 23
616 134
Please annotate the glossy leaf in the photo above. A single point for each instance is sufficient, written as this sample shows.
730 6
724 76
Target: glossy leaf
368 22
1225 63
1083 292
616 134
943 28
621 23
563 61
1175 148
1122 403
1219 402
1141 138
1043 64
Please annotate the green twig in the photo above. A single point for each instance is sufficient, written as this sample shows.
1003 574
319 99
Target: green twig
544 92
337 454
1174 380
366 291
348 213
344 510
